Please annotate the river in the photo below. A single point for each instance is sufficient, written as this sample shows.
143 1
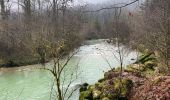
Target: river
88 65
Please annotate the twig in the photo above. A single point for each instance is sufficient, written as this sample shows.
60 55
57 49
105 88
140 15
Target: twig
114 7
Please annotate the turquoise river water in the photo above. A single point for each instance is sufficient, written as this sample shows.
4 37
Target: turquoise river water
88 65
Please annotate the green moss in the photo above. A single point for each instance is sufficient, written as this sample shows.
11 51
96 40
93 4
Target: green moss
129 68
147 57
100 86
143 69
150 64
127 85
110 96
116 84
128 82
105 98
148 72
123 87
99 91
83 89
96 94
91 88
118 69
85 95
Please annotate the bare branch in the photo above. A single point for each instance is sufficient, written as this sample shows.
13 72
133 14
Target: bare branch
114 7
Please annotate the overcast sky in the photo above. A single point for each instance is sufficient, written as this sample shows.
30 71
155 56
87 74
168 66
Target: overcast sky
90 1
85 2
110 3
99 1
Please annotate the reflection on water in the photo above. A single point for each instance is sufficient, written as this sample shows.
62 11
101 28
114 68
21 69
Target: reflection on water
31 83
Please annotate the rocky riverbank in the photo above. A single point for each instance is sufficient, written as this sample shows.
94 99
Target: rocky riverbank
138 81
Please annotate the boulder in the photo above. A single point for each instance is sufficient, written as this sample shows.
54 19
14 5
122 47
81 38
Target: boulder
85 95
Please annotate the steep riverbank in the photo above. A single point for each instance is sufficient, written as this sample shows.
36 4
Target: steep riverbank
139 81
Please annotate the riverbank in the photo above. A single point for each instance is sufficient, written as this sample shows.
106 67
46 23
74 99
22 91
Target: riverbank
20 62
139 81
41 53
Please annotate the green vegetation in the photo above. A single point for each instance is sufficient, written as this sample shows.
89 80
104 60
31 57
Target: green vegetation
111 89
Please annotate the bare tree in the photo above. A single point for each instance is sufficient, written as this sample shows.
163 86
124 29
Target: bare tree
57 71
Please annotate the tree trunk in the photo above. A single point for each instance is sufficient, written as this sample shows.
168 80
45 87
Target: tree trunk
27 10
59 90
3 13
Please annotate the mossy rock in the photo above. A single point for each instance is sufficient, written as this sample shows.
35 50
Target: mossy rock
86 95
118 69
84 87
111 96
124 87
85 84
91 88
127 85
136 68
96 94
105 98
101 80
129 68
150 64
99 86
116 84
119 90
147 57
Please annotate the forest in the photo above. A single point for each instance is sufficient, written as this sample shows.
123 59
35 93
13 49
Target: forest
56 35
